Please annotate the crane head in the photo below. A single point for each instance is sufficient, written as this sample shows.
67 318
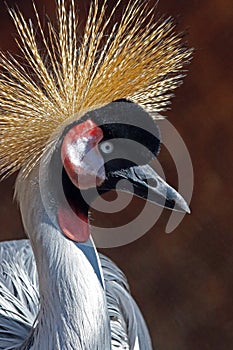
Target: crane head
110 149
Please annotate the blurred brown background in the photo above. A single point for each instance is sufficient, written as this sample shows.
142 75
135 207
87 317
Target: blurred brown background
183 282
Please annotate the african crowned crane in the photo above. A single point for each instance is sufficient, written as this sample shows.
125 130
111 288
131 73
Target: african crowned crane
61 121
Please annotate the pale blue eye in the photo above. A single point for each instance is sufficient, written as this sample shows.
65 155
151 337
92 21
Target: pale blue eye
106 147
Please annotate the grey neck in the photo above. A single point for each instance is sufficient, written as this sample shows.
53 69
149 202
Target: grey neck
73 312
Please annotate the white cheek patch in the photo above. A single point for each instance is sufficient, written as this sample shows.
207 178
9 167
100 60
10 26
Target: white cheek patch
77 150
84 164
81 157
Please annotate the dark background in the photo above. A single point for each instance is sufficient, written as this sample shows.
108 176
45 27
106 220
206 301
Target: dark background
183 282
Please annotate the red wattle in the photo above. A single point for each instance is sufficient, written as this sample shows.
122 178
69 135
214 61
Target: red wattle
74 225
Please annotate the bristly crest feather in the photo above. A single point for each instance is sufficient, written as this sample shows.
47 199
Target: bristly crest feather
139 59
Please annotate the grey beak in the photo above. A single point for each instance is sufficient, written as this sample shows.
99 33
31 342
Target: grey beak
149 185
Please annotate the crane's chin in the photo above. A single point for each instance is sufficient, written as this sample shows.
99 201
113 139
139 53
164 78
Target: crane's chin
73 224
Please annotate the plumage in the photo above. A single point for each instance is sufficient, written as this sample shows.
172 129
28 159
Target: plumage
56 292
19 300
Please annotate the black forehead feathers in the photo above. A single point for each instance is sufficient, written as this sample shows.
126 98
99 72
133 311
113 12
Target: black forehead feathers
125 119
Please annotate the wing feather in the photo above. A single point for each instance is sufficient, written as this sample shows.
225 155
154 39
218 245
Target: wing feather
19 297
128 328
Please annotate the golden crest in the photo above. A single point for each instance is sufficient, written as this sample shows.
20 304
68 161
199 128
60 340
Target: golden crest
139 59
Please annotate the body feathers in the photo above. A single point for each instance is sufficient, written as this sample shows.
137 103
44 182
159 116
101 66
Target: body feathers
19 301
